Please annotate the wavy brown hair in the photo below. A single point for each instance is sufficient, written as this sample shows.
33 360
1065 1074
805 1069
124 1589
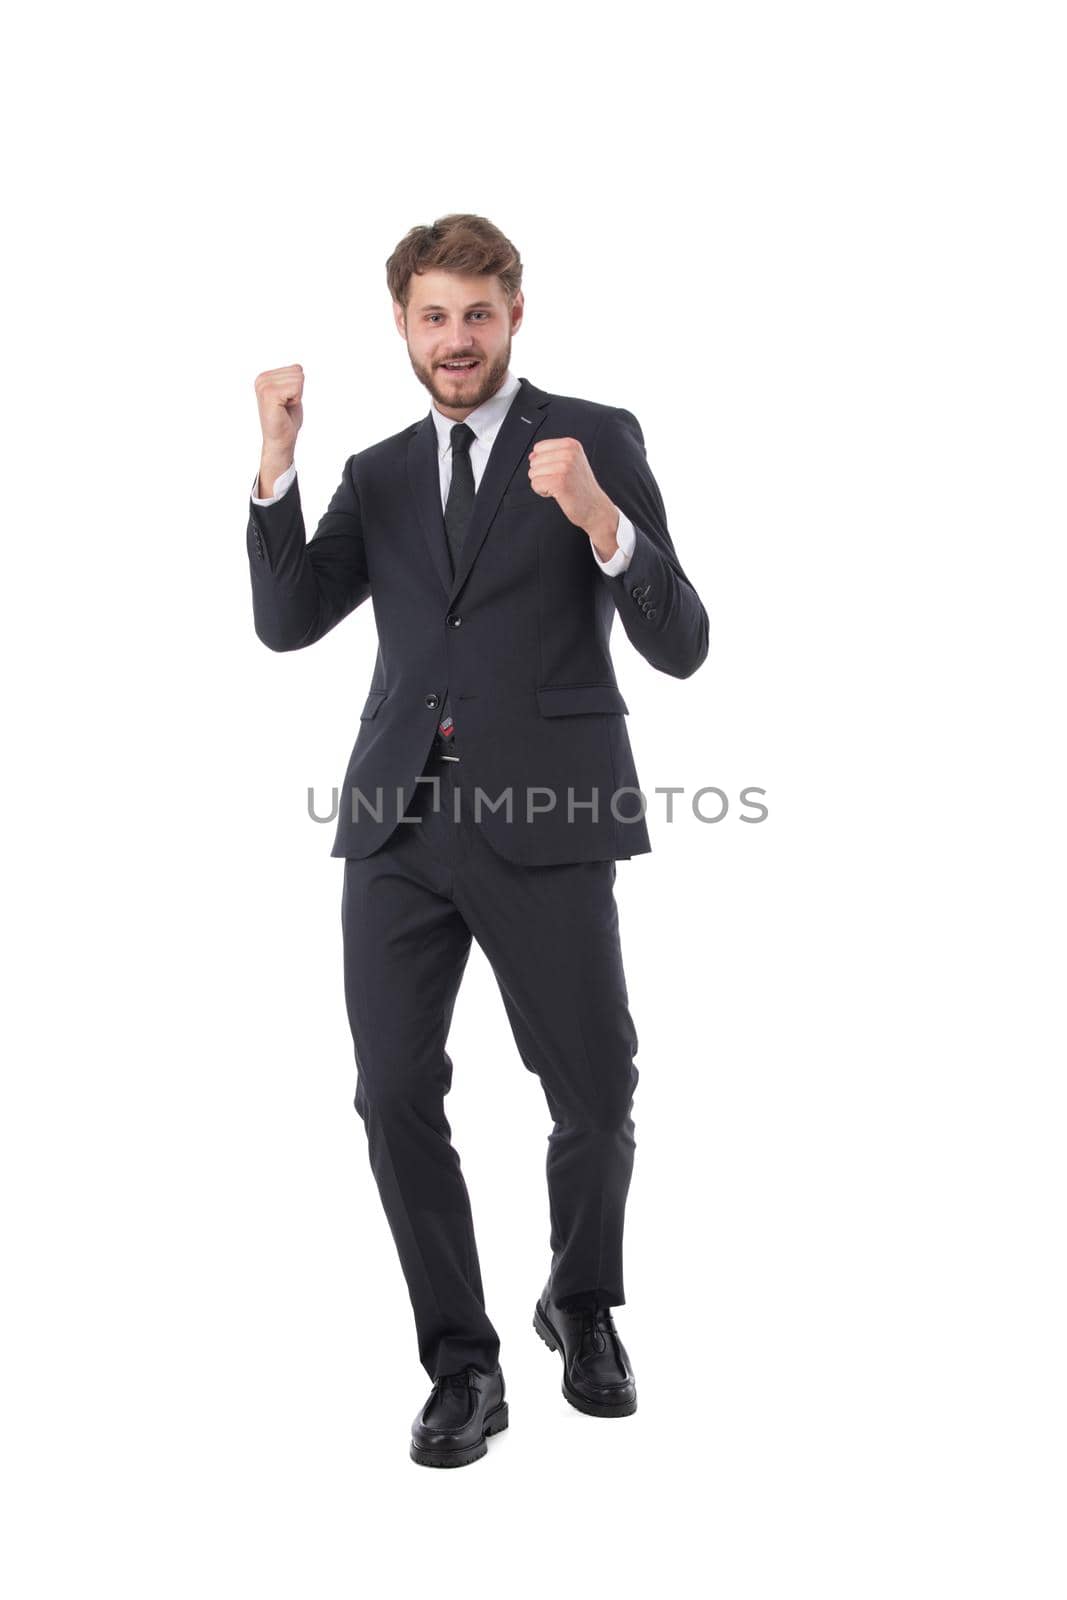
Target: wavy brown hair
459 242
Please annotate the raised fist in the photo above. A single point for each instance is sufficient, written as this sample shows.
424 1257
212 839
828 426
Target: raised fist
281 410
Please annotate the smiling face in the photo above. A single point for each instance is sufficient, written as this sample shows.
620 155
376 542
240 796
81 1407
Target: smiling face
454 318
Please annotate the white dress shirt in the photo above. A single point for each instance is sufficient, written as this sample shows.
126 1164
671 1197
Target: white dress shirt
485 421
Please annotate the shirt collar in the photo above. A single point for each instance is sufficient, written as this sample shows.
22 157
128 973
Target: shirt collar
485 418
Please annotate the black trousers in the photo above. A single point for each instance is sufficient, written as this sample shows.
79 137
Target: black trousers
551 936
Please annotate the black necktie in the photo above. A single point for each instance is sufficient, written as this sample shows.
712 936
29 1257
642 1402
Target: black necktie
458 508
460 502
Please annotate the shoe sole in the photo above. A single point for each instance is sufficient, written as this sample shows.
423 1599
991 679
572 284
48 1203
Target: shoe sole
495 1422
592 1408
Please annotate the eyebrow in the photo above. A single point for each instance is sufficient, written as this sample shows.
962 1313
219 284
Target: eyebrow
475 305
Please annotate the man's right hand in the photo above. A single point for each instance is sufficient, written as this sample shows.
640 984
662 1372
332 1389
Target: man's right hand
279 393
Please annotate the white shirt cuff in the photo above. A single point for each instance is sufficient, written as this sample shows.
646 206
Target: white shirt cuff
621 559
280 485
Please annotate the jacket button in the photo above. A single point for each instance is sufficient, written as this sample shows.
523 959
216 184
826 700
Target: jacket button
431 701
452 620
636 593
650 612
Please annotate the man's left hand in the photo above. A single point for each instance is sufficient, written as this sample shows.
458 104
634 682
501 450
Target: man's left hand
560 468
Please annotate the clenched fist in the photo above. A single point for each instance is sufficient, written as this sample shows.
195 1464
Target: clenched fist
560 467
281 412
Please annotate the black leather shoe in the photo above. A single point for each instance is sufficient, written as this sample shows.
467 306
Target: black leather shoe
597 1376
464 1408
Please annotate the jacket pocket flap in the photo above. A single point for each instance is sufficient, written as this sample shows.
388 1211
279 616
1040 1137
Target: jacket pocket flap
564 699
374 700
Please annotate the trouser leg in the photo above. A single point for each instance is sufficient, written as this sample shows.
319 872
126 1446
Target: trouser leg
551 935
405 950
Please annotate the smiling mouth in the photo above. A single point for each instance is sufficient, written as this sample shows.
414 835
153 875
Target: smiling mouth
459 366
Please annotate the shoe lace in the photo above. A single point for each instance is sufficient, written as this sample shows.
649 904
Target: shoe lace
597 1323
460 1379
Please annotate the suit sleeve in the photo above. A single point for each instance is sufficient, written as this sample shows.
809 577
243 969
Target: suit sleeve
661 612
301 589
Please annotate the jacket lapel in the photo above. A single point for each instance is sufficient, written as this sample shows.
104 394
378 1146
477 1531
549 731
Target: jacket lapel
524 417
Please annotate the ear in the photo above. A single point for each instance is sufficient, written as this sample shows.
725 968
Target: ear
398 318
516 312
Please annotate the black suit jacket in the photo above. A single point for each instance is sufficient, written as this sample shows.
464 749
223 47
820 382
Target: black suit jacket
520 635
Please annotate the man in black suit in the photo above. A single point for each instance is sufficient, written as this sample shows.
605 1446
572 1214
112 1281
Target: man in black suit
490 791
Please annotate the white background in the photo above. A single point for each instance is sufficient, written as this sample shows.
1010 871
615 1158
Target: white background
819 251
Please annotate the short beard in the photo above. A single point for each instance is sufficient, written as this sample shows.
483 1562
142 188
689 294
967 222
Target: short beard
489 380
